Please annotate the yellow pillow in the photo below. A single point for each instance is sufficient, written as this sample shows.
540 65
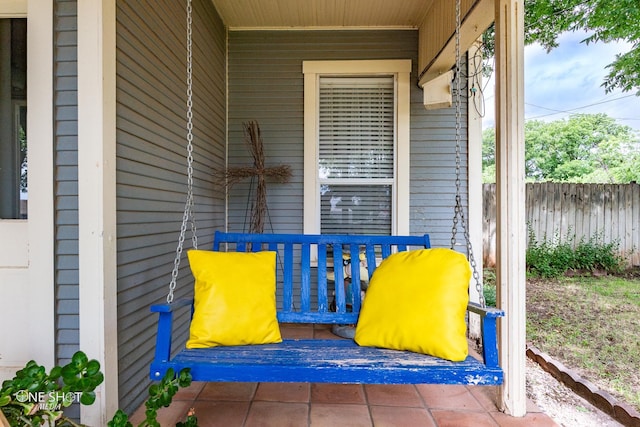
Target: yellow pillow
234 299
417 301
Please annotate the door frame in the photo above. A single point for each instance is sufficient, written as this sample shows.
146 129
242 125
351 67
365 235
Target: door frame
31 264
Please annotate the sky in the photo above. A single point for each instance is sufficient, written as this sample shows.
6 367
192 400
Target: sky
569 79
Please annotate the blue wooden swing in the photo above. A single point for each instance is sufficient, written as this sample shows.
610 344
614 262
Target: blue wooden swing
304 289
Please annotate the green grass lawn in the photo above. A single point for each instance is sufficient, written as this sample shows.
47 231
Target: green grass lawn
592 325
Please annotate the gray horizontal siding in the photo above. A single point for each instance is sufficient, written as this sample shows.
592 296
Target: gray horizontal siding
433 160
66 177
266 84
67 338
151 165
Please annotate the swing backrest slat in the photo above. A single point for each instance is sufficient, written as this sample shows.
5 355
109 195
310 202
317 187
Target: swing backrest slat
316 273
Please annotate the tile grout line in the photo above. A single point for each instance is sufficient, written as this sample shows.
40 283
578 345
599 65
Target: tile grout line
366 402
426 407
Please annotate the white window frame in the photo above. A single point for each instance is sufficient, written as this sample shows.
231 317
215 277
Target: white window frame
401 70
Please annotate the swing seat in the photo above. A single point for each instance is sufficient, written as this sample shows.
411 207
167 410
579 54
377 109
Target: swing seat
307 302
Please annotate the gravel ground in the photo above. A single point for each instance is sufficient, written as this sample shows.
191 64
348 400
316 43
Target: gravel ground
559 402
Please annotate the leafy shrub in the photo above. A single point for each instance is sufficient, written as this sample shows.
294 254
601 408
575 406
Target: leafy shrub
489 287
554 257
34 397
548 258
160 396
594 254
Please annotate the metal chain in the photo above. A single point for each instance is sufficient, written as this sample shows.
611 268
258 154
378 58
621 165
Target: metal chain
187 216
194 237
459 210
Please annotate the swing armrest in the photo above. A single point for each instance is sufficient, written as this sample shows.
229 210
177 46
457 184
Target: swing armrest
165 327
485 311
489 331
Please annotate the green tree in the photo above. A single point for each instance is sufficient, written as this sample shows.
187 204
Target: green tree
489 155
583 148
603 20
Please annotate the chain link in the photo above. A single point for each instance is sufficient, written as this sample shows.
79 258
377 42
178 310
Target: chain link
188 215
458 210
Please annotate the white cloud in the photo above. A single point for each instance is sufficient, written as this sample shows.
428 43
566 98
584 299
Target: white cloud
568 79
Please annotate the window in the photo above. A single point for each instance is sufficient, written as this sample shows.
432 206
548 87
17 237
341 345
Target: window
356 121
13 118
357 147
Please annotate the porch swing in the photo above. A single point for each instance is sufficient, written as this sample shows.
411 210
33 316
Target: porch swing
305 258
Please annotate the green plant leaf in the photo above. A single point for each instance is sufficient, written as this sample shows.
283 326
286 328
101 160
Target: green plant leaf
69 373
154 390
120 419
56 372
27 408
184 378
79 359
97 379
191 421
165 399
151 414
84 384
87 398
33 387
169 375
93 367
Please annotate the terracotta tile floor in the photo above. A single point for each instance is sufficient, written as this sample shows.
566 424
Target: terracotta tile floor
330 405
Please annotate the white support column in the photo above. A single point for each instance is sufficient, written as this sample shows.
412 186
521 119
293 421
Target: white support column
40 132
511 228
474 184
97 199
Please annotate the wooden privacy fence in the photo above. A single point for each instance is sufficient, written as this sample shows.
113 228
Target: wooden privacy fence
558 210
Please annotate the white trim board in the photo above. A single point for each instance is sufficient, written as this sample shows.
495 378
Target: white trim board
29 276
401 69
97 199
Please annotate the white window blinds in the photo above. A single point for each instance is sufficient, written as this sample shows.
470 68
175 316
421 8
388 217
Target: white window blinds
356 127
356 154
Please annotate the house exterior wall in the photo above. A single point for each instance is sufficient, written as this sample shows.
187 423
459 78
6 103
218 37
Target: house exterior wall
67 337
433 169
266 84
66 178
151 164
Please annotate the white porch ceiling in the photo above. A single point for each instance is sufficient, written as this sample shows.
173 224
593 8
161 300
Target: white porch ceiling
246 14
